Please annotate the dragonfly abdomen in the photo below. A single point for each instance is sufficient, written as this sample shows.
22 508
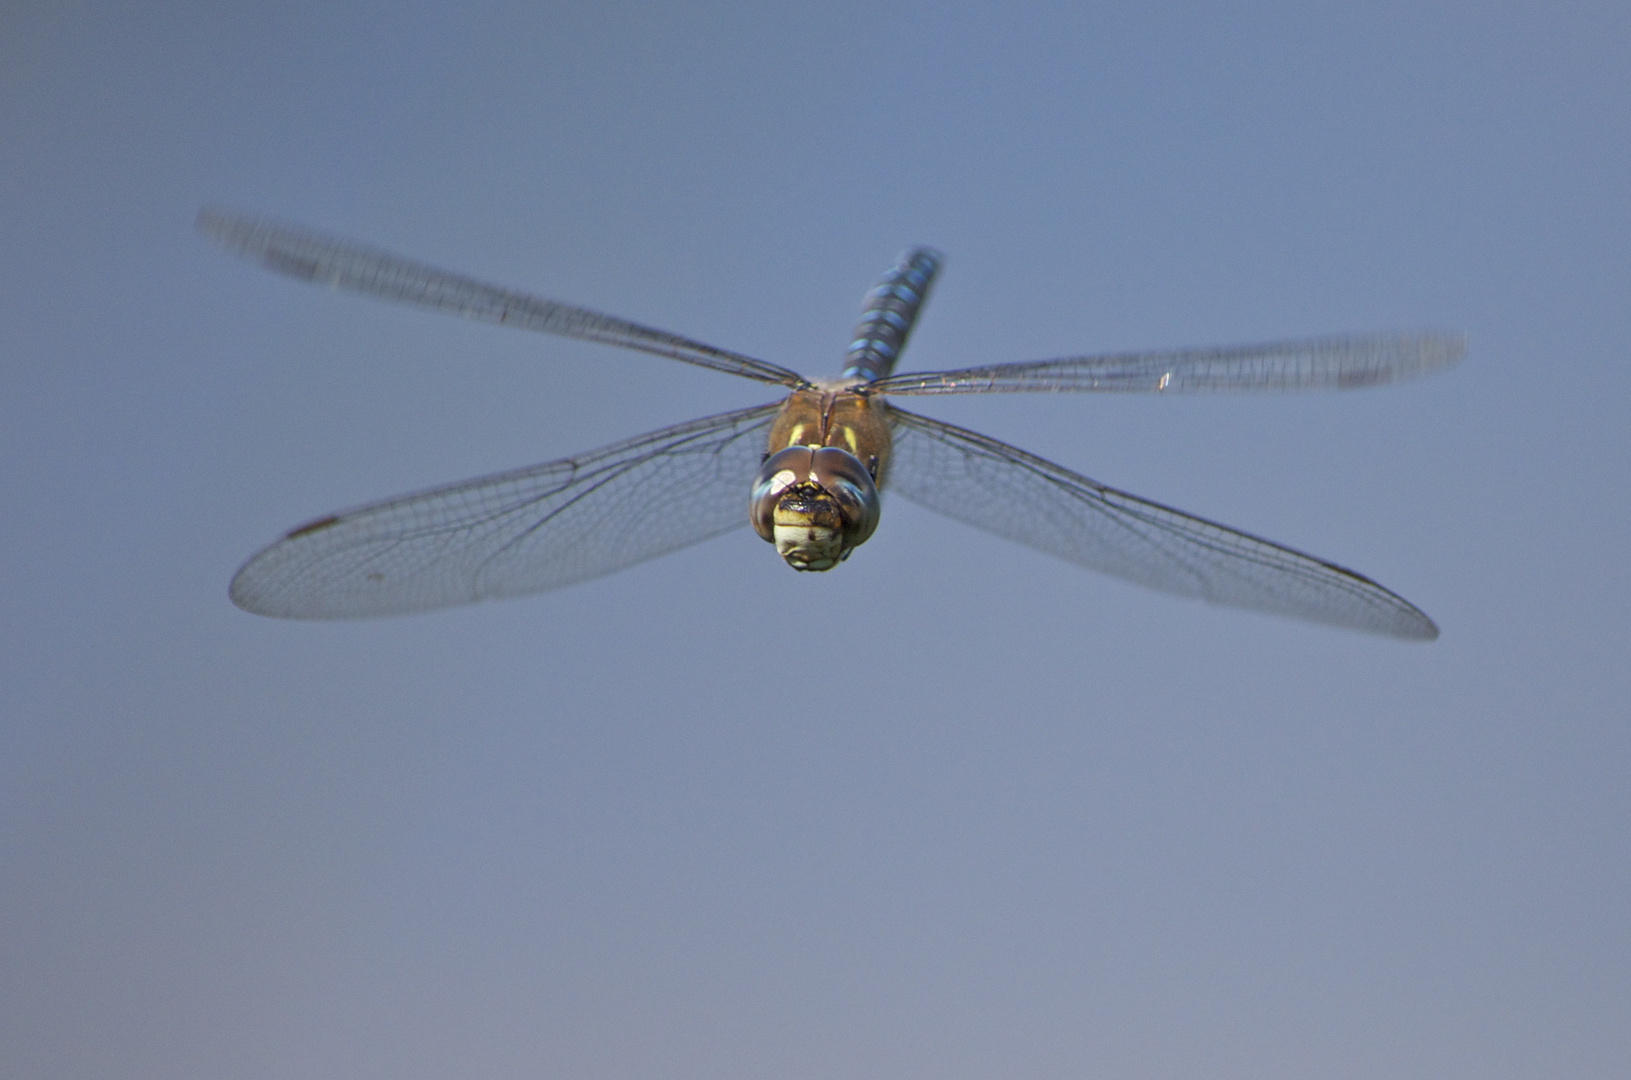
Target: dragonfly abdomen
887 315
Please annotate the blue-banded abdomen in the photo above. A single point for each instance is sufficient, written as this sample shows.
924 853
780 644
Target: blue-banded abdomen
887 315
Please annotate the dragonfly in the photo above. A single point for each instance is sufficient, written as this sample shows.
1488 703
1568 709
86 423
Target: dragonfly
806 471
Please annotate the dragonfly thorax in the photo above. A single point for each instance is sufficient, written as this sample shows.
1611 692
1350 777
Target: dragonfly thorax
816 504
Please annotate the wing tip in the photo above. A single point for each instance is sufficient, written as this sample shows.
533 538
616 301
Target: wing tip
1396 357
1442 349
1434 350
276 246
246 597
255 587
1420 628
225 227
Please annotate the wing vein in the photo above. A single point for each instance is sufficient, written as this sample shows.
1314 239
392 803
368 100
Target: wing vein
313 256
1004 490
518 532
1342 362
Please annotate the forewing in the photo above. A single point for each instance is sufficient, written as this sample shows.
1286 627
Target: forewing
1006 491
517 532
313 256
1340 363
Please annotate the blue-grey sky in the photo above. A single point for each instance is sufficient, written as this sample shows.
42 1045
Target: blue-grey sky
953 810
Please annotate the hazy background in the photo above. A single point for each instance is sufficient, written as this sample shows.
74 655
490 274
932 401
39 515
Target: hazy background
956 810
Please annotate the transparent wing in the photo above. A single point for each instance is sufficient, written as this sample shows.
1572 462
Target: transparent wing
312 256
1341 363
1004 490
517 532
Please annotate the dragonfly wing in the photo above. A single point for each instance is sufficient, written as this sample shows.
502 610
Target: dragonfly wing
313 256
1340 363
1006 491
517 532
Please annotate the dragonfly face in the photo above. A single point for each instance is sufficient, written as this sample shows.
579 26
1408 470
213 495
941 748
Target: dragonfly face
815 461
816 495
817 504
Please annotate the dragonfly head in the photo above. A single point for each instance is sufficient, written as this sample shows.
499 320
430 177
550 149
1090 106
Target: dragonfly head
816 504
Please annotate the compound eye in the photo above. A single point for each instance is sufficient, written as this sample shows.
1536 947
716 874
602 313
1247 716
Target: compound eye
782 470
847 480
816 504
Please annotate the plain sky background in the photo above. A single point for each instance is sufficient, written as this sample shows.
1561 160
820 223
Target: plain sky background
955 810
